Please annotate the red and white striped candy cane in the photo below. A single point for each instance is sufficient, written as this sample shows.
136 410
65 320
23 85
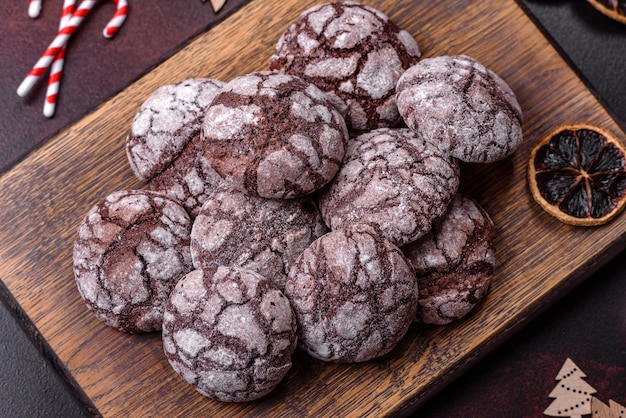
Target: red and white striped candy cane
117 20
55 47
56 71
34 8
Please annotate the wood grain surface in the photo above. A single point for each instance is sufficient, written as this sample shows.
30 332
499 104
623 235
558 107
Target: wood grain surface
44 198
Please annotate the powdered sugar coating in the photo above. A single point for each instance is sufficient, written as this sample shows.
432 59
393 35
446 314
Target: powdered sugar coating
166 122
264 235
392 183
273 135
454 262
462 106
355 54
130 251
354 296
229 333
189 179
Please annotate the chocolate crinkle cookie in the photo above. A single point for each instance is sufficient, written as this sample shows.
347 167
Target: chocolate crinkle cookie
353 52
264 235
463 107
130 251
166 122
273 135
189 178
229 333
392 183
454 263
354 296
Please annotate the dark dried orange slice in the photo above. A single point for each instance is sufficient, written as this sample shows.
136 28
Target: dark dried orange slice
577 173
615 9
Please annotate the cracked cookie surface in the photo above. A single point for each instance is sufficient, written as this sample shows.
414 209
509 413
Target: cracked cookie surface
264 235
189 179
354 296
166 122
229 333
130 251
453 263
353 52
392 183
464 108
273 135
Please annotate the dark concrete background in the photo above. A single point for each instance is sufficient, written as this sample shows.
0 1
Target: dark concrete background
95 68
588 325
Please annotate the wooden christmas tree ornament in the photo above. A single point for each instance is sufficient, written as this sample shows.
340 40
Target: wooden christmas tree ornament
572 394
601 410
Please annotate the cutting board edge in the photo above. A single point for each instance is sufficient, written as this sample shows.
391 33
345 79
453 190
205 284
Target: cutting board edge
513 327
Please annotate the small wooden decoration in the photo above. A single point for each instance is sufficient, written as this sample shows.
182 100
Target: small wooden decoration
217 5
572 394
601 410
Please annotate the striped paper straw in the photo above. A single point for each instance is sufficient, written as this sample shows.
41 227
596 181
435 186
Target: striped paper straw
55 47
67 12
34 8
56 71
117 20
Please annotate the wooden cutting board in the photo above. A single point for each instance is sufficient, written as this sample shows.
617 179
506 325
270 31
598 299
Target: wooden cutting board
44 198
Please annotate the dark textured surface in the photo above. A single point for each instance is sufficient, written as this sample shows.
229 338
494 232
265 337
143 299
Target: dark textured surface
29 384
588 325
593 44
95 68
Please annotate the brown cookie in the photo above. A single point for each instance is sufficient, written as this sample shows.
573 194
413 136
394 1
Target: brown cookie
229 333
264 235
131 249
354 296
463 107
453 263
166 122
273 135
355 54
189 178
393 183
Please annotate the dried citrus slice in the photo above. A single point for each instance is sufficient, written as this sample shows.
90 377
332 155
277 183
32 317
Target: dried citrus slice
577 173
615 9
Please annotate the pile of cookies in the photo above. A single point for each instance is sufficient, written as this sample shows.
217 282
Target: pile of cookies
291 206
